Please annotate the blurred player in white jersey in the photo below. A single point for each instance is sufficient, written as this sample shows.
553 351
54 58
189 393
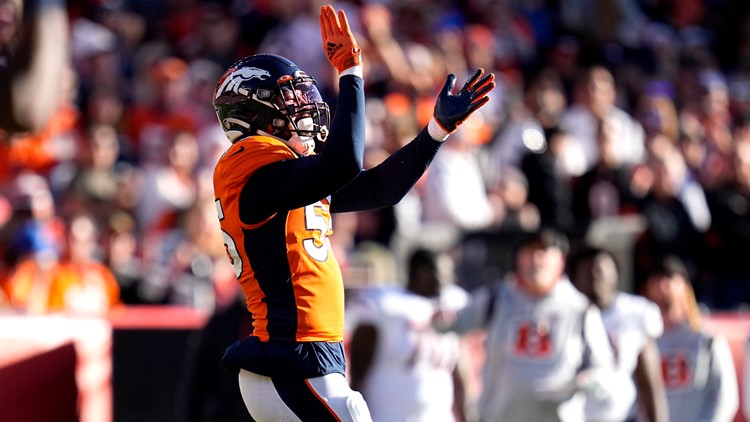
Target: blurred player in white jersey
697 367
633 324
546 347
406 371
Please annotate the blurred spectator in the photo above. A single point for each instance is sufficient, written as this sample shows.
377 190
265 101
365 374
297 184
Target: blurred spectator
549 185
546 347
121 250
676 214
633 324
298 28
657 112
106 107
169 187
706 116
518 213
388 65
729 236
697 367
207 32
35 227
99 181
514 35
540 107
30 226
77 282
203 76
29 283
594 101
82 284
187 264
403 368
95 56
455 192
484 257
161 110
610 188
130 27
33 61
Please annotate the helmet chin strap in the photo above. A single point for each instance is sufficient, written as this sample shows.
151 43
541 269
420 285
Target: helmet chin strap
234 135
302 145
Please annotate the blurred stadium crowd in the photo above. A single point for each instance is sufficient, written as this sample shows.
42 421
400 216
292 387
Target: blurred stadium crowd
621 123
634 113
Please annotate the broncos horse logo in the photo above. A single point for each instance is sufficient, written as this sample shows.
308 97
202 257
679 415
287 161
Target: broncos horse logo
234 80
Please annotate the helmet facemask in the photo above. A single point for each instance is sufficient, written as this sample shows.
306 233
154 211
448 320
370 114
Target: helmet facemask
291 110
305 116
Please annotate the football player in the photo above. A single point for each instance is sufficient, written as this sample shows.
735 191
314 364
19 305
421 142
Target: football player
403 367
275 196
697 365
633 324
546 348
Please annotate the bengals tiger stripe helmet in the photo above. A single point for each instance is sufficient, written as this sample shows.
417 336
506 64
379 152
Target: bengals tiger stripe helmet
269 95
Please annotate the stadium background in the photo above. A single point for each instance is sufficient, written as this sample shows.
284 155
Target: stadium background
142 72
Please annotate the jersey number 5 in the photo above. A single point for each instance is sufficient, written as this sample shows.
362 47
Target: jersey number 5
318 221
229 244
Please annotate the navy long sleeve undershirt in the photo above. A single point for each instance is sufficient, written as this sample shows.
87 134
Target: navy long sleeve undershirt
387 183
337 171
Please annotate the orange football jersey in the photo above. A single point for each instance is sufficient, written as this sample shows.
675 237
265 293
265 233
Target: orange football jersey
284 264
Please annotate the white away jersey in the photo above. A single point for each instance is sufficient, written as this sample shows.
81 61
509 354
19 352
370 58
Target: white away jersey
699 376
535 347
630 322
411 378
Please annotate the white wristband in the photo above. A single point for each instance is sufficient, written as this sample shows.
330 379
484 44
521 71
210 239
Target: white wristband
354 70
436 132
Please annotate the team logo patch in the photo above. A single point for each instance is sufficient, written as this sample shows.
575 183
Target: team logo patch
234 80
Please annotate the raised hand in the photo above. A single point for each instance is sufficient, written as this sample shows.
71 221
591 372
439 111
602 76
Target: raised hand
453 109
338 41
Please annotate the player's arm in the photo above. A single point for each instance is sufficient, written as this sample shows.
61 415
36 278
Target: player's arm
459 389
361 354
477 314
597 374
387 183
722 399
298 182
648 379
36 61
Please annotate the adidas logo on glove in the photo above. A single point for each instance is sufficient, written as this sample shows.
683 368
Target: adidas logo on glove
333 48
